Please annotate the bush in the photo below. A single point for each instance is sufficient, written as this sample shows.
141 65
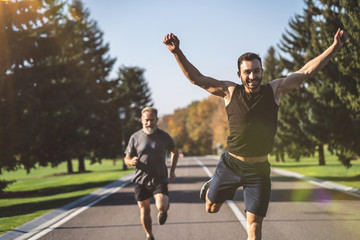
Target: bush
4 184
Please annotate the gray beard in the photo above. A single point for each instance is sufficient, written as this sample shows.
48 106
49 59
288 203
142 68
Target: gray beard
147 131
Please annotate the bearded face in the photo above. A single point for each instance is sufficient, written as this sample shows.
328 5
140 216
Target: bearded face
149 121
251 75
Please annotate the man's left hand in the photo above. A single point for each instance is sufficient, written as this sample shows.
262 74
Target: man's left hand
172 176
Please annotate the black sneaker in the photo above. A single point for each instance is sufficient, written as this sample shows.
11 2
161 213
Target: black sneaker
204 189
150 238
162 216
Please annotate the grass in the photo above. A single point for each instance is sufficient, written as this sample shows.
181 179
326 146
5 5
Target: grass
333 171
46 189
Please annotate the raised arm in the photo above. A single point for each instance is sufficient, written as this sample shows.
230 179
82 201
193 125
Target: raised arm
291 82
213 86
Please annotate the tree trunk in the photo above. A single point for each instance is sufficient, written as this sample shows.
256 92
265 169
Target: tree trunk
69 166
282 157
81 159
321 155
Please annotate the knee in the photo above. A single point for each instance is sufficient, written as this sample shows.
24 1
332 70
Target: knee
211 210
212 207
163 207
162 202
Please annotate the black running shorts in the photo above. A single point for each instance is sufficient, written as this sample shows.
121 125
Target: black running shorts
143 192
232 173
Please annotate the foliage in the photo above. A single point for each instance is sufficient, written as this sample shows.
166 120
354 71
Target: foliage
199 129
131 92
331 115
57 102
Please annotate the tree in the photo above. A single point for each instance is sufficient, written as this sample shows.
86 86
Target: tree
290 136
337 89
200 128
342 76
131 91
92 64
26 41
55 68
175 125
219 124
331 116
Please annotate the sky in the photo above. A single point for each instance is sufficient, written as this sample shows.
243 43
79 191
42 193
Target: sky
212 33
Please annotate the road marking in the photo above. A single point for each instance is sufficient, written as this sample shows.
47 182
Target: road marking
318 182
48 226
231 203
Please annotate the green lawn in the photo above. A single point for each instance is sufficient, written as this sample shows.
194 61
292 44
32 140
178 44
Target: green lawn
46 189
333 170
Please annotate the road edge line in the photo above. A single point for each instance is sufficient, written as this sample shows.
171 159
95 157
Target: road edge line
318 182
50 219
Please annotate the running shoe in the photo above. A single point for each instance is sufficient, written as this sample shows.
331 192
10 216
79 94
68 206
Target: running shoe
150 238
162 216
204 189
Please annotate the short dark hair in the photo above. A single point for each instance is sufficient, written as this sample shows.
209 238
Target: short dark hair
249 56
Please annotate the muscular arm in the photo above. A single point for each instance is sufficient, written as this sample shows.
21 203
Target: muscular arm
213 86
174 160
282 86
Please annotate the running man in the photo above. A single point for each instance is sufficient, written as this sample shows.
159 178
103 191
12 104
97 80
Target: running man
252 113
147 150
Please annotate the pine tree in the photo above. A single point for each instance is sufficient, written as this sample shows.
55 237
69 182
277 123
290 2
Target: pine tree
295 44
131 92
337 89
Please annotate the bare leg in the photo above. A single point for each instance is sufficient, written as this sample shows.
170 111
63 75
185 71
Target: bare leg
145 216
211 207
162 202
254 225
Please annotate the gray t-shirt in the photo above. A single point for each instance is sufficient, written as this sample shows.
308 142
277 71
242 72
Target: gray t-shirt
151 151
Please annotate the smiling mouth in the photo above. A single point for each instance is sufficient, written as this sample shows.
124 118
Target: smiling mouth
253 83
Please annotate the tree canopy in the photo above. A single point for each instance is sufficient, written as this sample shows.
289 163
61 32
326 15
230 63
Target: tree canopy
57 101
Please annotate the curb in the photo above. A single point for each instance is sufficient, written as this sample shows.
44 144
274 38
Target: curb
318 182
45 221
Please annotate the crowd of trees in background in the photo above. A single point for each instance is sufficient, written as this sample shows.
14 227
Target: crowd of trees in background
57 101
324 111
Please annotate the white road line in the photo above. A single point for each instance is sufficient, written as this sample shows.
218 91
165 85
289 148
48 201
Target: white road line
45 230
231 203
318 182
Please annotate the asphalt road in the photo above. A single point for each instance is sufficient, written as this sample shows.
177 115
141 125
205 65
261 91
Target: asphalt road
298 210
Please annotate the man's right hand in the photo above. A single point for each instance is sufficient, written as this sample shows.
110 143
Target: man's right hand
129 161
171 42
134 161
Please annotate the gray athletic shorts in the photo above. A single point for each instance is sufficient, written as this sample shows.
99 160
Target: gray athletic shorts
232 173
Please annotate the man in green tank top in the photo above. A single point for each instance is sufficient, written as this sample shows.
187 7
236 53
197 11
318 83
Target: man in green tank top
252 112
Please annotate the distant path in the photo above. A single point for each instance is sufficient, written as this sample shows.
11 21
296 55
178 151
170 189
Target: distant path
298 210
